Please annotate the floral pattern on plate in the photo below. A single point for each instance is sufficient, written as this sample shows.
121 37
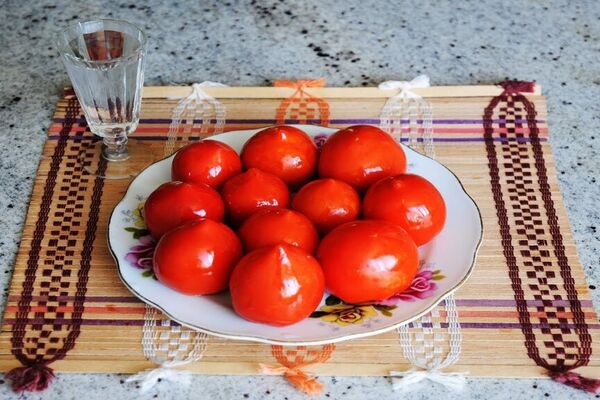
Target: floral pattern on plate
338 312
140 255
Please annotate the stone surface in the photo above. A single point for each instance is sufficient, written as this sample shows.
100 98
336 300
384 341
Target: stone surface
350 43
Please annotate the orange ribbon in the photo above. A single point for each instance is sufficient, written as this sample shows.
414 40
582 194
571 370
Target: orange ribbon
300 99
300 84
293 360
300 379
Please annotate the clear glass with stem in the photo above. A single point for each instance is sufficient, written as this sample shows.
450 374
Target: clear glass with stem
105 62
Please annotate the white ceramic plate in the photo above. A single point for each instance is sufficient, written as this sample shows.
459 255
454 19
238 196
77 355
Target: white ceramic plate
446 263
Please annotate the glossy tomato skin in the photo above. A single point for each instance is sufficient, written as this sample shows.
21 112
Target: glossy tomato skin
327 203
209 162
276 285
273 226
361 155
283 151
253 190
368 260
197 258
174 203
410 201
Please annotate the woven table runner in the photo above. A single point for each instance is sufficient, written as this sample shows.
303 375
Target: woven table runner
525 312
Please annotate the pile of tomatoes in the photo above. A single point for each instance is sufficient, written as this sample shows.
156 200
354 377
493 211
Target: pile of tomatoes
262 225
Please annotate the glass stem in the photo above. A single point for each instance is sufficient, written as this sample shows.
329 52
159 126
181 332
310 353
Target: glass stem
115 145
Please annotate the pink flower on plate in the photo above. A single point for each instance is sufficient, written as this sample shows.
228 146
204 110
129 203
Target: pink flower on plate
422 287
140 256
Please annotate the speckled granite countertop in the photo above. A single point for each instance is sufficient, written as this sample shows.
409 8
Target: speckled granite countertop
350 43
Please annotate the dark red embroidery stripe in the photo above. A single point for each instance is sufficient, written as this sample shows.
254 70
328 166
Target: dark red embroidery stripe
86 257
508 249
47 356
18 332
585 339
584 345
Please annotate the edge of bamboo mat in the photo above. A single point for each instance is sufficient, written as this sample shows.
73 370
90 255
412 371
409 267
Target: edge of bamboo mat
514 370
263 92
324 369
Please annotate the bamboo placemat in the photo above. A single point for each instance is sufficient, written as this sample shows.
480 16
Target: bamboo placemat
526 308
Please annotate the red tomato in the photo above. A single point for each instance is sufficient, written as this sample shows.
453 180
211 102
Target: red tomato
197 257
284 151
174 203
360 156
248 192
410 201
327 203
368 260
277 285
272 226
208 162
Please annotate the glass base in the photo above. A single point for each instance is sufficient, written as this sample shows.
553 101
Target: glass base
139 155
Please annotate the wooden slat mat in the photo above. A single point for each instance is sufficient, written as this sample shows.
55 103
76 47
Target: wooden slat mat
526 304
